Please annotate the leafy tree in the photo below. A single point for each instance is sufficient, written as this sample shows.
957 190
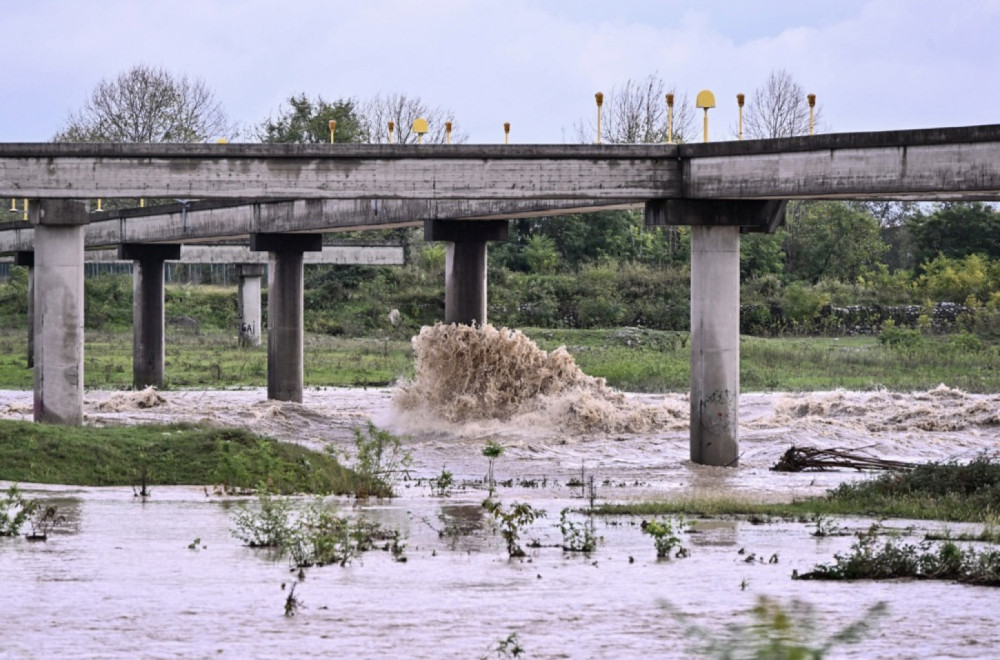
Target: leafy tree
145 104
777 109
376 113
761 254
307 121
831 240
956 230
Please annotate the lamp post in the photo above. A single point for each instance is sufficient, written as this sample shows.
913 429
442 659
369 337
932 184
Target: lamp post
705 100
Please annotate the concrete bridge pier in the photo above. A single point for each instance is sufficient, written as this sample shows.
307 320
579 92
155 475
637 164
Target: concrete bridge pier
249 303
715 313
465 265
26 258
715 345
285 335
147 309
58 309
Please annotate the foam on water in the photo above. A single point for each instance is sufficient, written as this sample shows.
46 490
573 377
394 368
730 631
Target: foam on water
466 375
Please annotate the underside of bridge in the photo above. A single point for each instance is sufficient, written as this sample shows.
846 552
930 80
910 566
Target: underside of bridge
281 198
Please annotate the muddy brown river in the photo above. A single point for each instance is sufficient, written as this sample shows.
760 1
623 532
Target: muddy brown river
119 579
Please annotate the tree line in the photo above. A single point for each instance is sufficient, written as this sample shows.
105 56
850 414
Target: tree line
907 252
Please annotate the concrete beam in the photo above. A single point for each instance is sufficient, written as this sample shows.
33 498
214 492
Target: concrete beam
755 215
298 171
366 255
461 231
212 220
286 242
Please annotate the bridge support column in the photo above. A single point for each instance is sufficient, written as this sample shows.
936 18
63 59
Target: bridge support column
58 302
147 309
26 258
715 313
465 265
249 303
715 345
285 335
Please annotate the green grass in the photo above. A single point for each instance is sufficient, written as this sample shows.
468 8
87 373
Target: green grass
935 491
169 455
631 359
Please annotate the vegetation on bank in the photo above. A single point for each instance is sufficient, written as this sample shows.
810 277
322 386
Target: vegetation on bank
631 359
936 491
231 460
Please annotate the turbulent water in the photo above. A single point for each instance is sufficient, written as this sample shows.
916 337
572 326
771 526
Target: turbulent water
120 579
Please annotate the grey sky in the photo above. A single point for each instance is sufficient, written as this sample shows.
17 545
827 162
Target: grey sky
875 65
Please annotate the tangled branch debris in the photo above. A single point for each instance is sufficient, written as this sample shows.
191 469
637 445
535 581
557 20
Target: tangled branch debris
798 459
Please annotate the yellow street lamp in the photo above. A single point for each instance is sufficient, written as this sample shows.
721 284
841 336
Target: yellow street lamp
447 132
739 100
600 101
812 104
420 127
506 132
392 127
333 129
705 100
670 118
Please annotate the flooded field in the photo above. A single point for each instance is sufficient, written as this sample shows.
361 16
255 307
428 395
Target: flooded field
119 578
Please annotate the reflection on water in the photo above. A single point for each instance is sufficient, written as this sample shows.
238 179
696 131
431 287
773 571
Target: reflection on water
126 583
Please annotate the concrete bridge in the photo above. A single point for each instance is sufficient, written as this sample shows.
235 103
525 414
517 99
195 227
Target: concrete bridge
462 194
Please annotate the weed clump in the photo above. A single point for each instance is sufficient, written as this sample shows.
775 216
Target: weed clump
973 488
874 559
664 533
14 511
778 631
511 521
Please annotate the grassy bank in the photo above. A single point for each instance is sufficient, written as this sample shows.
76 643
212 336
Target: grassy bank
948 491
163 455
631 359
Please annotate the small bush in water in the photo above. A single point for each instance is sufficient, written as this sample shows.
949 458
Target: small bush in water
778 632
511 520
380 462
14 511
665 537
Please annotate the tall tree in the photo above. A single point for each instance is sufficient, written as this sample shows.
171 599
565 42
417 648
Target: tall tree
956 230
376 113
777 109
145 104
307 121
831 240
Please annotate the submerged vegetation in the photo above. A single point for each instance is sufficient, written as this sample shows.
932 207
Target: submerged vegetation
937 491
874 558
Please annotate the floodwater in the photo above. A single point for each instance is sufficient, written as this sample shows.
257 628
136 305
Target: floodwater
119 578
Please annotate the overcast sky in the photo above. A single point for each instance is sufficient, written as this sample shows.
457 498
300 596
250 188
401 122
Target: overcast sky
874 64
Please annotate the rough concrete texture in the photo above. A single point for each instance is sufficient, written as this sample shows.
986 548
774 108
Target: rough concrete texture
59 324
285 322
249 304
715 345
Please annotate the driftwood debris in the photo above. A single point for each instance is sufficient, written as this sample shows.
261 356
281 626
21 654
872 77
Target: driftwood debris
798 459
